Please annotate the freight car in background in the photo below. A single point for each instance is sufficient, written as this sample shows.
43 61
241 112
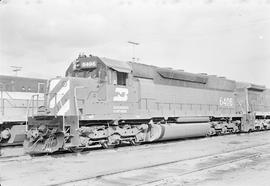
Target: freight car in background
109 102
15 100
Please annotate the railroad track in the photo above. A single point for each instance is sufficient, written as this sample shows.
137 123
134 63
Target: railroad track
5 150
120 166
6 154
163 181
140 176
20 156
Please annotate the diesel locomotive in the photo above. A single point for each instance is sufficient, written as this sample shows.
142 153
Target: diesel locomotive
107 102
15 100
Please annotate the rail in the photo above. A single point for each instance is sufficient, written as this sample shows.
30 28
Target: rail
3 100
8 106
33 105
259 107
181 106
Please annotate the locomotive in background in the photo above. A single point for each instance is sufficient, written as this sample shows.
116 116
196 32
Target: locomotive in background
109 102
15 100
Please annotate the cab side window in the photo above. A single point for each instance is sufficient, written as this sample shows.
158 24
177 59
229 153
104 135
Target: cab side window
122 78
41 87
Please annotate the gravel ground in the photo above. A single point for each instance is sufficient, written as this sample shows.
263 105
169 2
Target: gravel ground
77 169
209 170
249 172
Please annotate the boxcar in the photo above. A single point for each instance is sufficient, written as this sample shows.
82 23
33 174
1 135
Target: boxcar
15 100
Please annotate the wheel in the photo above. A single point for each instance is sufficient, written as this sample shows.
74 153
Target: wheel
106 145
224 130
211 132
218 133
76 149
235 130
134 142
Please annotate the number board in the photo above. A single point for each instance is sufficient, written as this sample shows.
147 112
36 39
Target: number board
84 65
88 64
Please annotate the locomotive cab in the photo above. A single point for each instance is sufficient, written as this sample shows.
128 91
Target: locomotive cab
105 70
115 90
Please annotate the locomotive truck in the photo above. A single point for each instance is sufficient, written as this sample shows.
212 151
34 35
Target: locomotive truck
107 102
15 100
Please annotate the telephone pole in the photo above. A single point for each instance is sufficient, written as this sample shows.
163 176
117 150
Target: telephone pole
133 44
16 69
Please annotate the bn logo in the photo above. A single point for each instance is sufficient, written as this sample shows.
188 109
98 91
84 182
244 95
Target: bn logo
121 94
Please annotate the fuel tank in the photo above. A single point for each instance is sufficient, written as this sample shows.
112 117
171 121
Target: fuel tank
177 131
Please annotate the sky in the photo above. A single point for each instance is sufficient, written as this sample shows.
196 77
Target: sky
228 38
